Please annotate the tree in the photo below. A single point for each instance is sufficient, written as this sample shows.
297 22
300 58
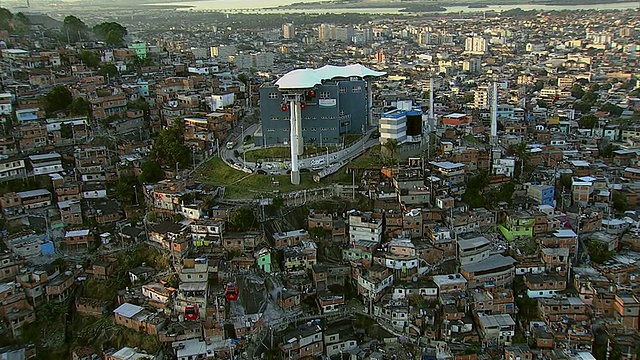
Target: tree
598 251
5 19
541 103
151 172
111 33
538 85
582 106
612 109
66 130
619 202
243 219
89 58
244 78
58 99
607 150
169 147
588 121
109 70
140 104
79 107
590 97
127 186
577 91
523 155
475 186
74 28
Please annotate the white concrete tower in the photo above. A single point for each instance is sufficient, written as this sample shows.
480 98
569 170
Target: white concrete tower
293 100
431 116
369 85
295 84
494 114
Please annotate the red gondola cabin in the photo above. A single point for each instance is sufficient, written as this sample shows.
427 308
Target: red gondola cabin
190 313
231 292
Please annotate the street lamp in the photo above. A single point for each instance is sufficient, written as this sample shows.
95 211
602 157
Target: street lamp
327 165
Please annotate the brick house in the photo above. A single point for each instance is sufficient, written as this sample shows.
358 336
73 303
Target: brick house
138 319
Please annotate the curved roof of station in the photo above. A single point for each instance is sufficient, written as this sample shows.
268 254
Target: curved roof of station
308 78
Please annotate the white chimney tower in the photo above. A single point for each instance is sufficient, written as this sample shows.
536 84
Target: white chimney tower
494 114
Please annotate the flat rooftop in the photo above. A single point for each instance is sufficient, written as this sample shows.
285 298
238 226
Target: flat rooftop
473 243
492 262
450 279
493 321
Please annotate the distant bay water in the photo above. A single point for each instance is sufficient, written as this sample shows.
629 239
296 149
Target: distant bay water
268 5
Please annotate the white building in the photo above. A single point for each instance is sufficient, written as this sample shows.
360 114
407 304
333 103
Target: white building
473 250
393 125
12 168
127 353
219 101
337 341
497 330
472 65
6 107
363 226
260 61
374 287
223 52
193 349
476 45
156 292
204 231
504 167
42 164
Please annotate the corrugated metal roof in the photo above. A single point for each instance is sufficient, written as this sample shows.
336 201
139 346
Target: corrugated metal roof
128 310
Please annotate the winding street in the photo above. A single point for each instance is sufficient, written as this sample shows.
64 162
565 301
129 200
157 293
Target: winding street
341 157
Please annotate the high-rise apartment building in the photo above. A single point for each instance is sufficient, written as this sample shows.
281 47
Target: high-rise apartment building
476 45
223 52
288 31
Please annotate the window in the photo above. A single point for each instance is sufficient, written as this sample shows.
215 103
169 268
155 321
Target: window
356 89
325 95
273 95
343 90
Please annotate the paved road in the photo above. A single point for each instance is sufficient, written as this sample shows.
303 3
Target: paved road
341 157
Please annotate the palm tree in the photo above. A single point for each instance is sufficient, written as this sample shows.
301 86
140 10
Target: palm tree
522 154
